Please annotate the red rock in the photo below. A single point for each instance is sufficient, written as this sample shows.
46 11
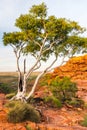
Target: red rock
20 128
42 127
75 68
31 125
63 109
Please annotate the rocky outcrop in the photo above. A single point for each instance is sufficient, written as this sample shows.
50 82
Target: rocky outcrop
56 119
75 68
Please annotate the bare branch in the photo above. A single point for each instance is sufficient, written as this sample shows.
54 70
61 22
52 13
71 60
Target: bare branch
32 68
49 47
17 52
51 65
37 59
13 46
38 66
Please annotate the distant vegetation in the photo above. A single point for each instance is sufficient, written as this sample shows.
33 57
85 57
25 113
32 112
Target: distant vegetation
4 88
9 80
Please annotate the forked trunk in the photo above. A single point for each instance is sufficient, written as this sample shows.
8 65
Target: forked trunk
21 89
21 84
21 94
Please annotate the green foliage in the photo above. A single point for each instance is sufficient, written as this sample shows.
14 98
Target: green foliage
11 104
53 101
11 80
13 38
45 79
28 127
79 45
84 122
4 88
39 10
63 89
50 32
10 95
85 105
20 112
76 102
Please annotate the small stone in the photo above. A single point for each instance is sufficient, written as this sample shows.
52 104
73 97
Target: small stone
63 109
79 109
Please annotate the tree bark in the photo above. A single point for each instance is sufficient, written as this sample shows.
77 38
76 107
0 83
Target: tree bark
20 83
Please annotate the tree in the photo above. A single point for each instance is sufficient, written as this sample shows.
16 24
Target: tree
42 36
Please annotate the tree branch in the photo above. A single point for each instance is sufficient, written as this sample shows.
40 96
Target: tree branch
38 77
38 59
51 45
37 43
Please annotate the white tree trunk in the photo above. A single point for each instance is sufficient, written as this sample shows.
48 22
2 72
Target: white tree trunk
21 88
34 86
24 84
38 77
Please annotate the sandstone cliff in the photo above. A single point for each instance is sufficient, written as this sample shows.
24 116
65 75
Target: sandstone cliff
75 68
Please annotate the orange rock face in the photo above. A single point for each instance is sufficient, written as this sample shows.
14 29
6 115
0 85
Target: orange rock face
75 68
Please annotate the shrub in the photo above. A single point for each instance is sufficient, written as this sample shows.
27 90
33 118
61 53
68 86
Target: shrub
12 104
28 127
76 102
52 101
4 88
20 112
85 105
10 95
45 79
84 122
63 91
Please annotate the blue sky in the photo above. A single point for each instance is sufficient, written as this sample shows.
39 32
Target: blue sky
11 9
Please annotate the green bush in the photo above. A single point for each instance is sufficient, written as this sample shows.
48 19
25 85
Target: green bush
4 88
52 101
20 112
76 102
10 95
84 122
12 104
63 91
28 127
44 79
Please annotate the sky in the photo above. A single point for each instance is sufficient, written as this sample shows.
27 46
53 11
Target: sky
10 10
